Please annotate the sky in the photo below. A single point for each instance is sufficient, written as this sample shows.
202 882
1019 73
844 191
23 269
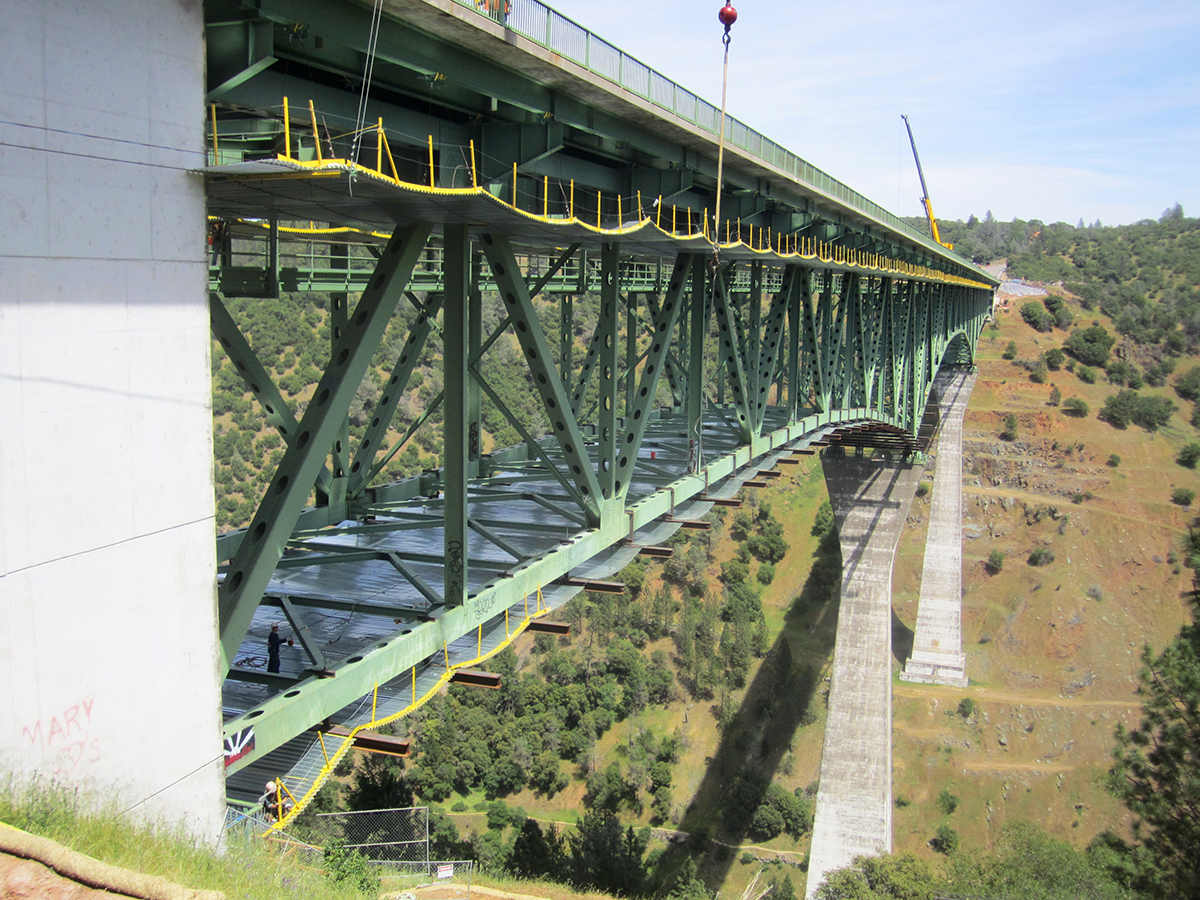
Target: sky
1057 110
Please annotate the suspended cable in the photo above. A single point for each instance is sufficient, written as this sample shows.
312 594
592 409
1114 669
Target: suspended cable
360 118
727 16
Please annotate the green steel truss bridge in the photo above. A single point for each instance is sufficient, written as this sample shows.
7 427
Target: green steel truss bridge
472 162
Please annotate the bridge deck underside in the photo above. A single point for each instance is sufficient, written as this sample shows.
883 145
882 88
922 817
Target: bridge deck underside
343 194
521 513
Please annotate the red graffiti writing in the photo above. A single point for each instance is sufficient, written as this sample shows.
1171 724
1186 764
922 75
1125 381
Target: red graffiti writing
66 735
73 720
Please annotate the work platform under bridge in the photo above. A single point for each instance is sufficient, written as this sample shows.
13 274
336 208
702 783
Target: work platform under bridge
671 359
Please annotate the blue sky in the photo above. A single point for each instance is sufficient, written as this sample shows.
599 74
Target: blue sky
1056 110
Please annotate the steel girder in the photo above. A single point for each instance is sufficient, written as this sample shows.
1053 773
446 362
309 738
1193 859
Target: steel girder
250 569
861 348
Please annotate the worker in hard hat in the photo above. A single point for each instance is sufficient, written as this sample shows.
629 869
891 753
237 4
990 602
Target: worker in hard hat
274 802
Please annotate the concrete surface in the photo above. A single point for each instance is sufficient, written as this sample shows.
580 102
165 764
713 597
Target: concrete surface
870 501
107 570
937 656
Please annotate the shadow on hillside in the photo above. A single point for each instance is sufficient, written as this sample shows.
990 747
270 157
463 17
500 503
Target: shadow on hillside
902 639
781 698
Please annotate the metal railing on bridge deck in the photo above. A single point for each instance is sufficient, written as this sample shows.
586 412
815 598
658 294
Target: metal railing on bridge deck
245 269
548 28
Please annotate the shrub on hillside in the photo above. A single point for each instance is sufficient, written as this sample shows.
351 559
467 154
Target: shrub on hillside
1010 352
1057 307
1183 496
1090 346
1074 406
1009 432
1156 373
1086 374
1041 556
995 562
1123 374
1187 385
946 801
1127 406
1189 455
1113 460
1055 359
945 840
1037 317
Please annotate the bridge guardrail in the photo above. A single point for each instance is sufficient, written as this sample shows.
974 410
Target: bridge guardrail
549 28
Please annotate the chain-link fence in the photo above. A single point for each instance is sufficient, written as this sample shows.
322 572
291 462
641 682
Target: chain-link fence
396 836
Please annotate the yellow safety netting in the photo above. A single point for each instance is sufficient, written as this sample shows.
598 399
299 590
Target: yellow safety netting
331 760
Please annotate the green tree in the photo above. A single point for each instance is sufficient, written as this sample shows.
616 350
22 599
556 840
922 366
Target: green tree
945 840
606 857
536 854
1090 346
1074 406
946 801
1009 432
995 562
1036 316
1183 496
1157 768
1189 455
888 877
1187 384
1028 863
1055 359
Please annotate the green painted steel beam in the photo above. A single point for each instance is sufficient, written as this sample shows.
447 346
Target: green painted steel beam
277 515
730 355
455 354
637 418
255 376
536 349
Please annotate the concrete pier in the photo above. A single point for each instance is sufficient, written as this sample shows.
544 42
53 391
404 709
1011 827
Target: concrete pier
108 625
937 656
870 501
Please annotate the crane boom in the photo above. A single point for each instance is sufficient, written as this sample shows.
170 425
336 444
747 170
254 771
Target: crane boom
933 228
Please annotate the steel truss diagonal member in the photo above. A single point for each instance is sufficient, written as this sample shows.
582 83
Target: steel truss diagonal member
664 332
771 342
363 468
730 355
254 375
250 570
536 348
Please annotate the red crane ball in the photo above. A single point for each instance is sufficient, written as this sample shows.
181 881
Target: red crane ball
727 15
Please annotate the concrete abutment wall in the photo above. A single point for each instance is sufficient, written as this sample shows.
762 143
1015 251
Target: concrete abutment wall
107 604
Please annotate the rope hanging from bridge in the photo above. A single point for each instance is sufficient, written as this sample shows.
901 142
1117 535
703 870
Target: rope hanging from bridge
727 16
368 73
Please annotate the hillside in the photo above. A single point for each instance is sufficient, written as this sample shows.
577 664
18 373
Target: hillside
1053 650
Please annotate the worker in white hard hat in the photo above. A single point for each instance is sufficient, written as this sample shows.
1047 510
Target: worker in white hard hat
267 802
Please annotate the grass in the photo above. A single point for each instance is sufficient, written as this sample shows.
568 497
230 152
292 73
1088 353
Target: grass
243 870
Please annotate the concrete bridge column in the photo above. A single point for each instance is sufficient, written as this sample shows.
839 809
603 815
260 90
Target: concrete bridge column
107 571
937 656
870 500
